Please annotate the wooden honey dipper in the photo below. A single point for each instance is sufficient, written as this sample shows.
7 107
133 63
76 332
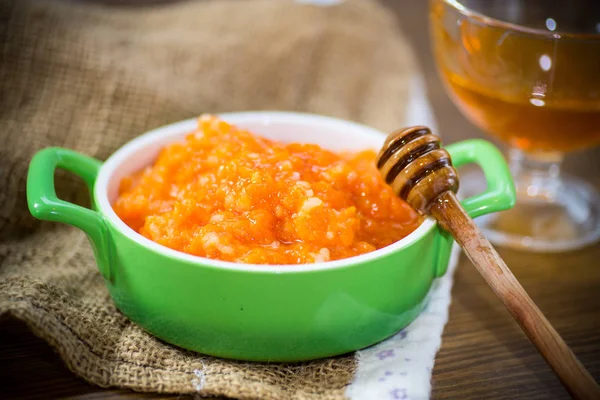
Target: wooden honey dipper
421 173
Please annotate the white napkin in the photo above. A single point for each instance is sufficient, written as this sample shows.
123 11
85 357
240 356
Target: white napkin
399 368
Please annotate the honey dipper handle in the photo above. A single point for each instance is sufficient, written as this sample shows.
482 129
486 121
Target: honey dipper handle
452 217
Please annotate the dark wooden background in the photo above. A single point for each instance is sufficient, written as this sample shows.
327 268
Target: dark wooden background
484 354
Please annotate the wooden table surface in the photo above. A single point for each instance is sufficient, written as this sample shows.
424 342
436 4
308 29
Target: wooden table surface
484 354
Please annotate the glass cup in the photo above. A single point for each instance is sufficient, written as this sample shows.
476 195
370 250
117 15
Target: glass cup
528 73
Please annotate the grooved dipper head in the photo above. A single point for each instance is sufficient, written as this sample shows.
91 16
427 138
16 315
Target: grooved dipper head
418 169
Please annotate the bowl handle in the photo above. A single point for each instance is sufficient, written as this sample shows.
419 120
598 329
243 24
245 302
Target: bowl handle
45 205
500 193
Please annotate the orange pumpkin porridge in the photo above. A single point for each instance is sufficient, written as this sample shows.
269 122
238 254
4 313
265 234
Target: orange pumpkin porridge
227 194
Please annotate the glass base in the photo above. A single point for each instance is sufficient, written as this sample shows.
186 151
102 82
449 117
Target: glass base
562 219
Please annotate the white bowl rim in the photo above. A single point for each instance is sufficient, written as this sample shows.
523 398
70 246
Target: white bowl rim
122 154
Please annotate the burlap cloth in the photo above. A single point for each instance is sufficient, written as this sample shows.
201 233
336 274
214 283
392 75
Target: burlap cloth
91 77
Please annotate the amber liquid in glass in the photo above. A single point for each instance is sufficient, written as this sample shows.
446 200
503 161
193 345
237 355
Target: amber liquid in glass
535 93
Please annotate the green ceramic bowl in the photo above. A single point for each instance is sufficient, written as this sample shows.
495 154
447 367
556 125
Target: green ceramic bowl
259 312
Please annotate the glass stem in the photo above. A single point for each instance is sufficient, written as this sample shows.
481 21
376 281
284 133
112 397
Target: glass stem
537 175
